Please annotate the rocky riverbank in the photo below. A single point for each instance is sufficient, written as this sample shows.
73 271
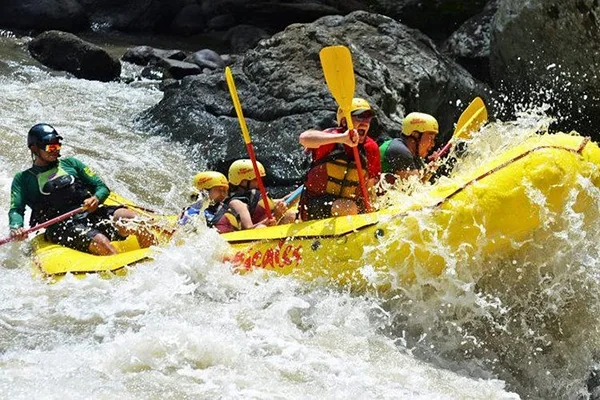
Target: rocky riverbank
431 56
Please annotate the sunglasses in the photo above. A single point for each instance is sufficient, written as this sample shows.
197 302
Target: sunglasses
362 115
52 147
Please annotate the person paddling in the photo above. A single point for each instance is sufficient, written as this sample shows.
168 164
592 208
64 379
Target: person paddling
332 182
404 156
54 186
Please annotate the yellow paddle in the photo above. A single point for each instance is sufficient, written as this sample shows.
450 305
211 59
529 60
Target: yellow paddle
246 135
339 75
474 116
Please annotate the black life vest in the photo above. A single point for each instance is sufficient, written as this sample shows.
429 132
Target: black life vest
61 193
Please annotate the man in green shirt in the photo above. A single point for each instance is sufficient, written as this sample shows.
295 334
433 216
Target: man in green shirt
405 156
52 187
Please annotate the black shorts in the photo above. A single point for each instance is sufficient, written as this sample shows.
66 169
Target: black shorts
78 231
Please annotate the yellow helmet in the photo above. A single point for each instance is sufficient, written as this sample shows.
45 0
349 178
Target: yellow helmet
209 179
243 169
357 104
419 122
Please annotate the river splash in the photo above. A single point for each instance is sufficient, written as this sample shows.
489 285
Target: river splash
188 325
532 318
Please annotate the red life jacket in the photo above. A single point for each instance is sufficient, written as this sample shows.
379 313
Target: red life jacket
335 174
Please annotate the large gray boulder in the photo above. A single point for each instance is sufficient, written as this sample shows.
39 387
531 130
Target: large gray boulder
241 38
64 51
64 15
548 51
145 55
436 18
283 92
469 45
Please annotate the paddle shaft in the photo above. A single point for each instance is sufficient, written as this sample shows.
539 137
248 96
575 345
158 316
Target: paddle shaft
246 134
294 195
444 150
46 224
147 212
361 176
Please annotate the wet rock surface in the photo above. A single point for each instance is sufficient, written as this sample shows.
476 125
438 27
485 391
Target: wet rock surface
282 90
66 52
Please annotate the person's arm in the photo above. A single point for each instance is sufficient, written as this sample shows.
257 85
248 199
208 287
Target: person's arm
312 138
16 213
241 209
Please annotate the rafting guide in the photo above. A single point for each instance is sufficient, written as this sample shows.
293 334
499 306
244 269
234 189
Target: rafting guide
54 186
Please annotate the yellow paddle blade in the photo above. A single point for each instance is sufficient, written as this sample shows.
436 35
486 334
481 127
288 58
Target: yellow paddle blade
237 105
470 120
339 75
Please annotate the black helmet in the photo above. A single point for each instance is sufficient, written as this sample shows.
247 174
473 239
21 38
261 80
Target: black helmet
41 135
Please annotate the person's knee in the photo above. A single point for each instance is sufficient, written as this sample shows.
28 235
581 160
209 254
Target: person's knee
123 213
123 221
101 246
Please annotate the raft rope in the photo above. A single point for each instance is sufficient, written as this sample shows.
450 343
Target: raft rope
579 150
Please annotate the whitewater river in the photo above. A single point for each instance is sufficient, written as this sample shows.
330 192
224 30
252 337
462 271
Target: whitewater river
186 326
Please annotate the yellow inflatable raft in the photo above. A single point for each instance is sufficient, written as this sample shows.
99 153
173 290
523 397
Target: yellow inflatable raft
481 213
55 260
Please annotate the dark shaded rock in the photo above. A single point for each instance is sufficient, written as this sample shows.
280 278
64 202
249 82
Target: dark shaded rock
207 58
177 69
244 37
593 383
189 21
221 22
282 91
548 52
348 6
470 44
132 15
169 83
66 52
64 15
279 15
144 55
273 15
436 18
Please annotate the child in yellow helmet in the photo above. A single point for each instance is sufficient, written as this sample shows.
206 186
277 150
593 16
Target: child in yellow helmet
246 209
217 188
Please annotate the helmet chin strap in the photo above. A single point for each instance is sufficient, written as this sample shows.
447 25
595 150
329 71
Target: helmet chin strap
34 155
